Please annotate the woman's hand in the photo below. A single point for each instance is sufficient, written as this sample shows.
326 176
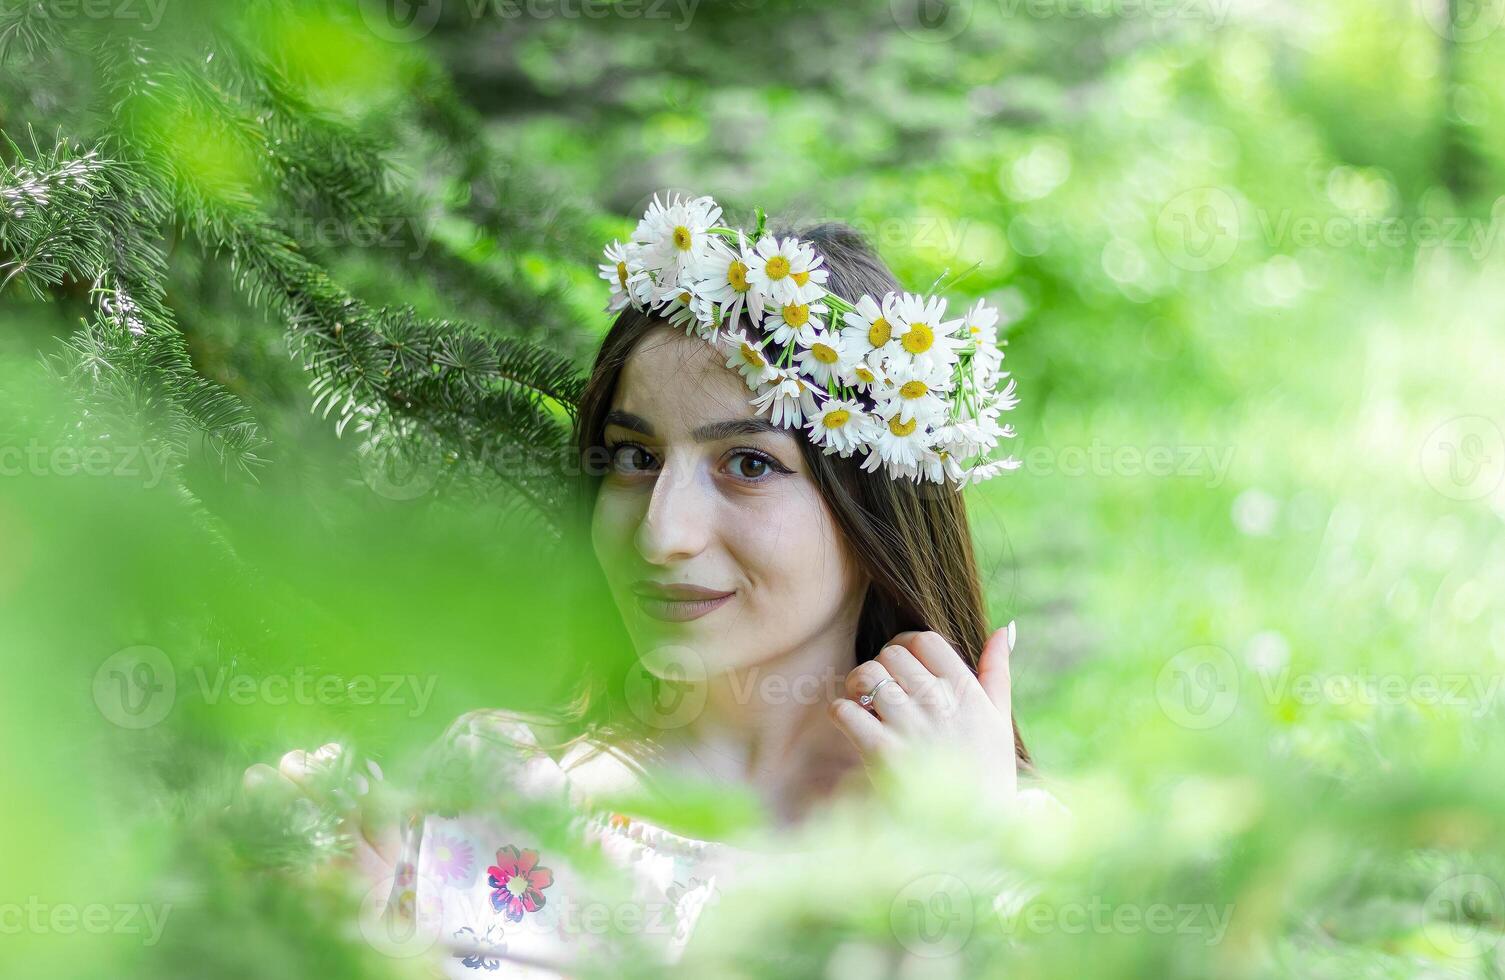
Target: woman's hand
931 700
308 776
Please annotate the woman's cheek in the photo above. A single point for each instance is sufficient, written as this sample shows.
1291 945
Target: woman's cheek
611 532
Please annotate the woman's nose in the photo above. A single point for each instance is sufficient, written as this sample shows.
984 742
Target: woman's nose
677 524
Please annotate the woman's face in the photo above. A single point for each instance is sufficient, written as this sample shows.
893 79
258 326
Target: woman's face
708 526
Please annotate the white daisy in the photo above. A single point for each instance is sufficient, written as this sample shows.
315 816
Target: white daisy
981 322
916 390
981 325
988 470
870 327
787 271
923 332
747 359
1004 398
939 466
686 310
808 277
897 443
966 438
724 281
787 400
789 321
841 426
821 356
675 237
630 282
857 372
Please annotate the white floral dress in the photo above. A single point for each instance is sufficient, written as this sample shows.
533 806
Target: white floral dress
489 898
485 896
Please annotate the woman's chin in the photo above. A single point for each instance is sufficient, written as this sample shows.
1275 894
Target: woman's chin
684 654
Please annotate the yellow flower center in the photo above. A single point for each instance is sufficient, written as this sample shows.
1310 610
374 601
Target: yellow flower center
684 298
913 389
823 353
800 278
919 338
750 355
974 330
682 238
864 375
517 885
622 274
836 418
879 333
796 314
736 274
777 267
902 428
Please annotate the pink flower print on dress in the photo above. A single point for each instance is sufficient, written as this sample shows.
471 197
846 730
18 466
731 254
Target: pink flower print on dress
454 858
518 882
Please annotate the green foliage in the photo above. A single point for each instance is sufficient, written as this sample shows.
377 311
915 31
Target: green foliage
212 133
1251 259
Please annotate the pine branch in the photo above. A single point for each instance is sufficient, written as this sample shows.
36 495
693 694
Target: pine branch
26 26
73 214
498 405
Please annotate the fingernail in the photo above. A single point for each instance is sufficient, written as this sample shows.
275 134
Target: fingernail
1010 629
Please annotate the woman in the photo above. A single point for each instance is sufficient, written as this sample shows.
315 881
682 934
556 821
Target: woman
815 609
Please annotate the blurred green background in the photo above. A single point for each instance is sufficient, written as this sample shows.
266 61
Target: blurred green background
1250 256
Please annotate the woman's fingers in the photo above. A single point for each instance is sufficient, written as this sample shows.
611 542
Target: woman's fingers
924 688
294 766
938 656
868 679
993 669
262 778
865 731
305 768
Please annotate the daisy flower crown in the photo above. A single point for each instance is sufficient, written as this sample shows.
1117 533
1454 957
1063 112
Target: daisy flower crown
887 377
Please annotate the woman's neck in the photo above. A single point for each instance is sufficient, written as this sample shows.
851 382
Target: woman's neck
765 726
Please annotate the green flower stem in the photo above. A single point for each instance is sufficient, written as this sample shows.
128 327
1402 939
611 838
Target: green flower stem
838 304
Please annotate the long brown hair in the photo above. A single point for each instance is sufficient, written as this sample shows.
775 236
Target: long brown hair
912 540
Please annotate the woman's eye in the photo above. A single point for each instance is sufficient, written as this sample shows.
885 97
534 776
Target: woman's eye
631 458
746 466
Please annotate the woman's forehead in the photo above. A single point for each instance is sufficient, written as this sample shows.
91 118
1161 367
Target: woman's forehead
680 381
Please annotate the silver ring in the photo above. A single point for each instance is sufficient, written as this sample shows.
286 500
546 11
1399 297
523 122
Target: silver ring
867 699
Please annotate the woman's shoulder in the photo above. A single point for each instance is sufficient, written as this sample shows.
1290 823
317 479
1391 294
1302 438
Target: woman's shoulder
1032 796
510 745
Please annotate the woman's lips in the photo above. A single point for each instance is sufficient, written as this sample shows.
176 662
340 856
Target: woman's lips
678 603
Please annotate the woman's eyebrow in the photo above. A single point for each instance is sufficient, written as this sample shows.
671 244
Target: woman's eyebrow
733 427
628 421
710 432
